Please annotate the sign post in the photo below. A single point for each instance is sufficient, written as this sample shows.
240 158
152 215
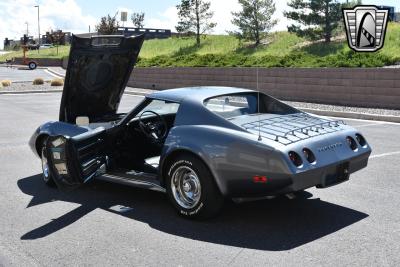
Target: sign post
124 17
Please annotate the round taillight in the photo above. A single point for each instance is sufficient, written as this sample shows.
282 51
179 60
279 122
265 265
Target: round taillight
361 140
309 155
352 143
295 158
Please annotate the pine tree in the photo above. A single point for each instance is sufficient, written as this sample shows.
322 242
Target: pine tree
316 19
255 19
195 16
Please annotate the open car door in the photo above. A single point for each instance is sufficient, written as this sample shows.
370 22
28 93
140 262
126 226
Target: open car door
75 160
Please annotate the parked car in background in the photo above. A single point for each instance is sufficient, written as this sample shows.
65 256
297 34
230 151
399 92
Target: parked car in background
32 46
45 46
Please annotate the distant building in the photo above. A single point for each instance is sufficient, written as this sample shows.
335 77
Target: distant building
10 44
392 14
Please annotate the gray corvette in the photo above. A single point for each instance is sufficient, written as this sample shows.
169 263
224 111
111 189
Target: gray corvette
199 145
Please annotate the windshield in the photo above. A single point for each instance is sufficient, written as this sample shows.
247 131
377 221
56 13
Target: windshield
235 105
160 107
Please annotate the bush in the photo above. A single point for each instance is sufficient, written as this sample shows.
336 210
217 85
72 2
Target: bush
38 81
295 59
6 83
57 82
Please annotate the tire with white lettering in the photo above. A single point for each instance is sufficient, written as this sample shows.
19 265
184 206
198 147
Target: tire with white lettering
191 188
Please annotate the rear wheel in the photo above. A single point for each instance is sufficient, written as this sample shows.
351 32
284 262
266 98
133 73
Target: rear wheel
192 189
46 174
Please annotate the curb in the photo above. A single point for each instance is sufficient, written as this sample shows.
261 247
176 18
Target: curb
353 115
328 113
30 92
136 93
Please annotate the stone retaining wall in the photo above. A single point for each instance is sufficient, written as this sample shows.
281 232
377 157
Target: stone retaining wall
377 88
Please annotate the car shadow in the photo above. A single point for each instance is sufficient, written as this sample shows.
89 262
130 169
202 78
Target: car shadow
275 225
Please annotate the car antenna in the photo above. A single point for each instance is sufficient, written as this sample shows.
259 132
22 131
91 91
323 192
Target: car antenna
258 110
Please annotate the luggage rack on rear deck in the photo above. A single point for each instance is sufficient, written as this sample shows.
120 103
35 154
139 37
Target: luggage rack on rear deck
289 129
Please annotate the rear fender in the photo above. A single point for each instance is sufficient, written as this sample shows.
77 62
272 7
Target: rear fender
230 155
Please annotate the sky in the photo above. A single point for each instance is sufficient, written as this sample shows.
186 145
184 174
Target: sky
77 15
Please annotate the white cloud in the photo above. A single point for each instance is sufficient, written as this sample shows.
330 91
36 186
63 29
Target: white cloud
283 22
54 14
222 16
165 20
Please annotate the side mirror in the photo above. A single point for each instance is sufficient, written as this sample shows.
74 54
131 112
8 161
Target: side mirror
82 121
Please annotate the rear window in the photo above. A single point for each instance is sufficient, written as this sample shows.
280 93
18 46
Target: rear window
232 105
235 105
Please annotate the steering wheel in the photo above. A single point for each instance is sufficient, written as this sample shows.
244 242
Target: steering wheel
156 131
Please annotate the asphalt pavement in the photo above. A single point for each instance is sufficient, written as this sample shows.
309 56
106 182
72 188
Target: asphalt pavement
356 223
24 75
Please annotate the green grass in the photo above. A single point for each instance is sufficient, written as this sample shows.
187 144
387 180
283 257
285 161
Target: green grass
210 44
283 49
63 51
392 41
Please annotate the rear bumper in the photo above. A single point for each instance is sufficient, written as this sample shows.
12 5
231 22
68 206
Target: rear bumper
277 184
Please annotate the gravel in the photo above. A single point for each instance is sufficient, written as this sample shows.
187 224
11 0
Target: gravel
27 86
397 66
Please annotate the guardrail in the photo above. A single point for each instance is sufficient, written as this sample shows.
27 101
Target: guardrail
150 33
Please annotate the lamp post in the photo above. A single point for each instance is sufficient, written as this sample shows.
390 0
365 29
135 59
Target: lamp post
38 23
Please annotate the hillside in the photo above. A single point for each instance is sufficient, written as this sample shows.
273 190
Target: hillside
283 50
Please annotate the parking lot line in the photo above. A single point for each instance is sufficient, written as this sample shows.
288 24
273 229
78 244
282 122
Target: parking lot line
385 155
141 96
370 124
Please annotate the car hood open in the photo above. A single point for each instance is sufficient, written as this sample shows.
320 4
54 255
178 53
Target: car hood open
98 70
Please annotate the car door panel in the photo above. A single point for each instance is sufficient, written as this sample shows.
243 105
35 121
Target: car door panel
75 160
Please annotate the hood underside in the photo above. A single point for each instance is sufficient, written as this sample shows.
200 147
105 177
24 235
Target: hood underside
98 71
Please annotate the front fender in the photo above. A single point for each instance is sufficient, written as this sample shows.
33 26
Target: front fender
53 129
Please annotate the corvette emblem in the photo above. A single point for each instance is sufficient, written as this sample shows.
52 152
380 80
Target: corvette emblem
365 27
330 147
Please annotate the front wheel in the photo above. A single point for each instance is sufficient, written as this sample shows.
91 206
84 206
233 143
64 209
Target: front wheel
192 189
46 174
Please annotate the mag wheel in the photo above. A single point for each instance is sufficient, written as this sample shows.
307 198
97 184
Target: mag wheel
191 188
46 174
